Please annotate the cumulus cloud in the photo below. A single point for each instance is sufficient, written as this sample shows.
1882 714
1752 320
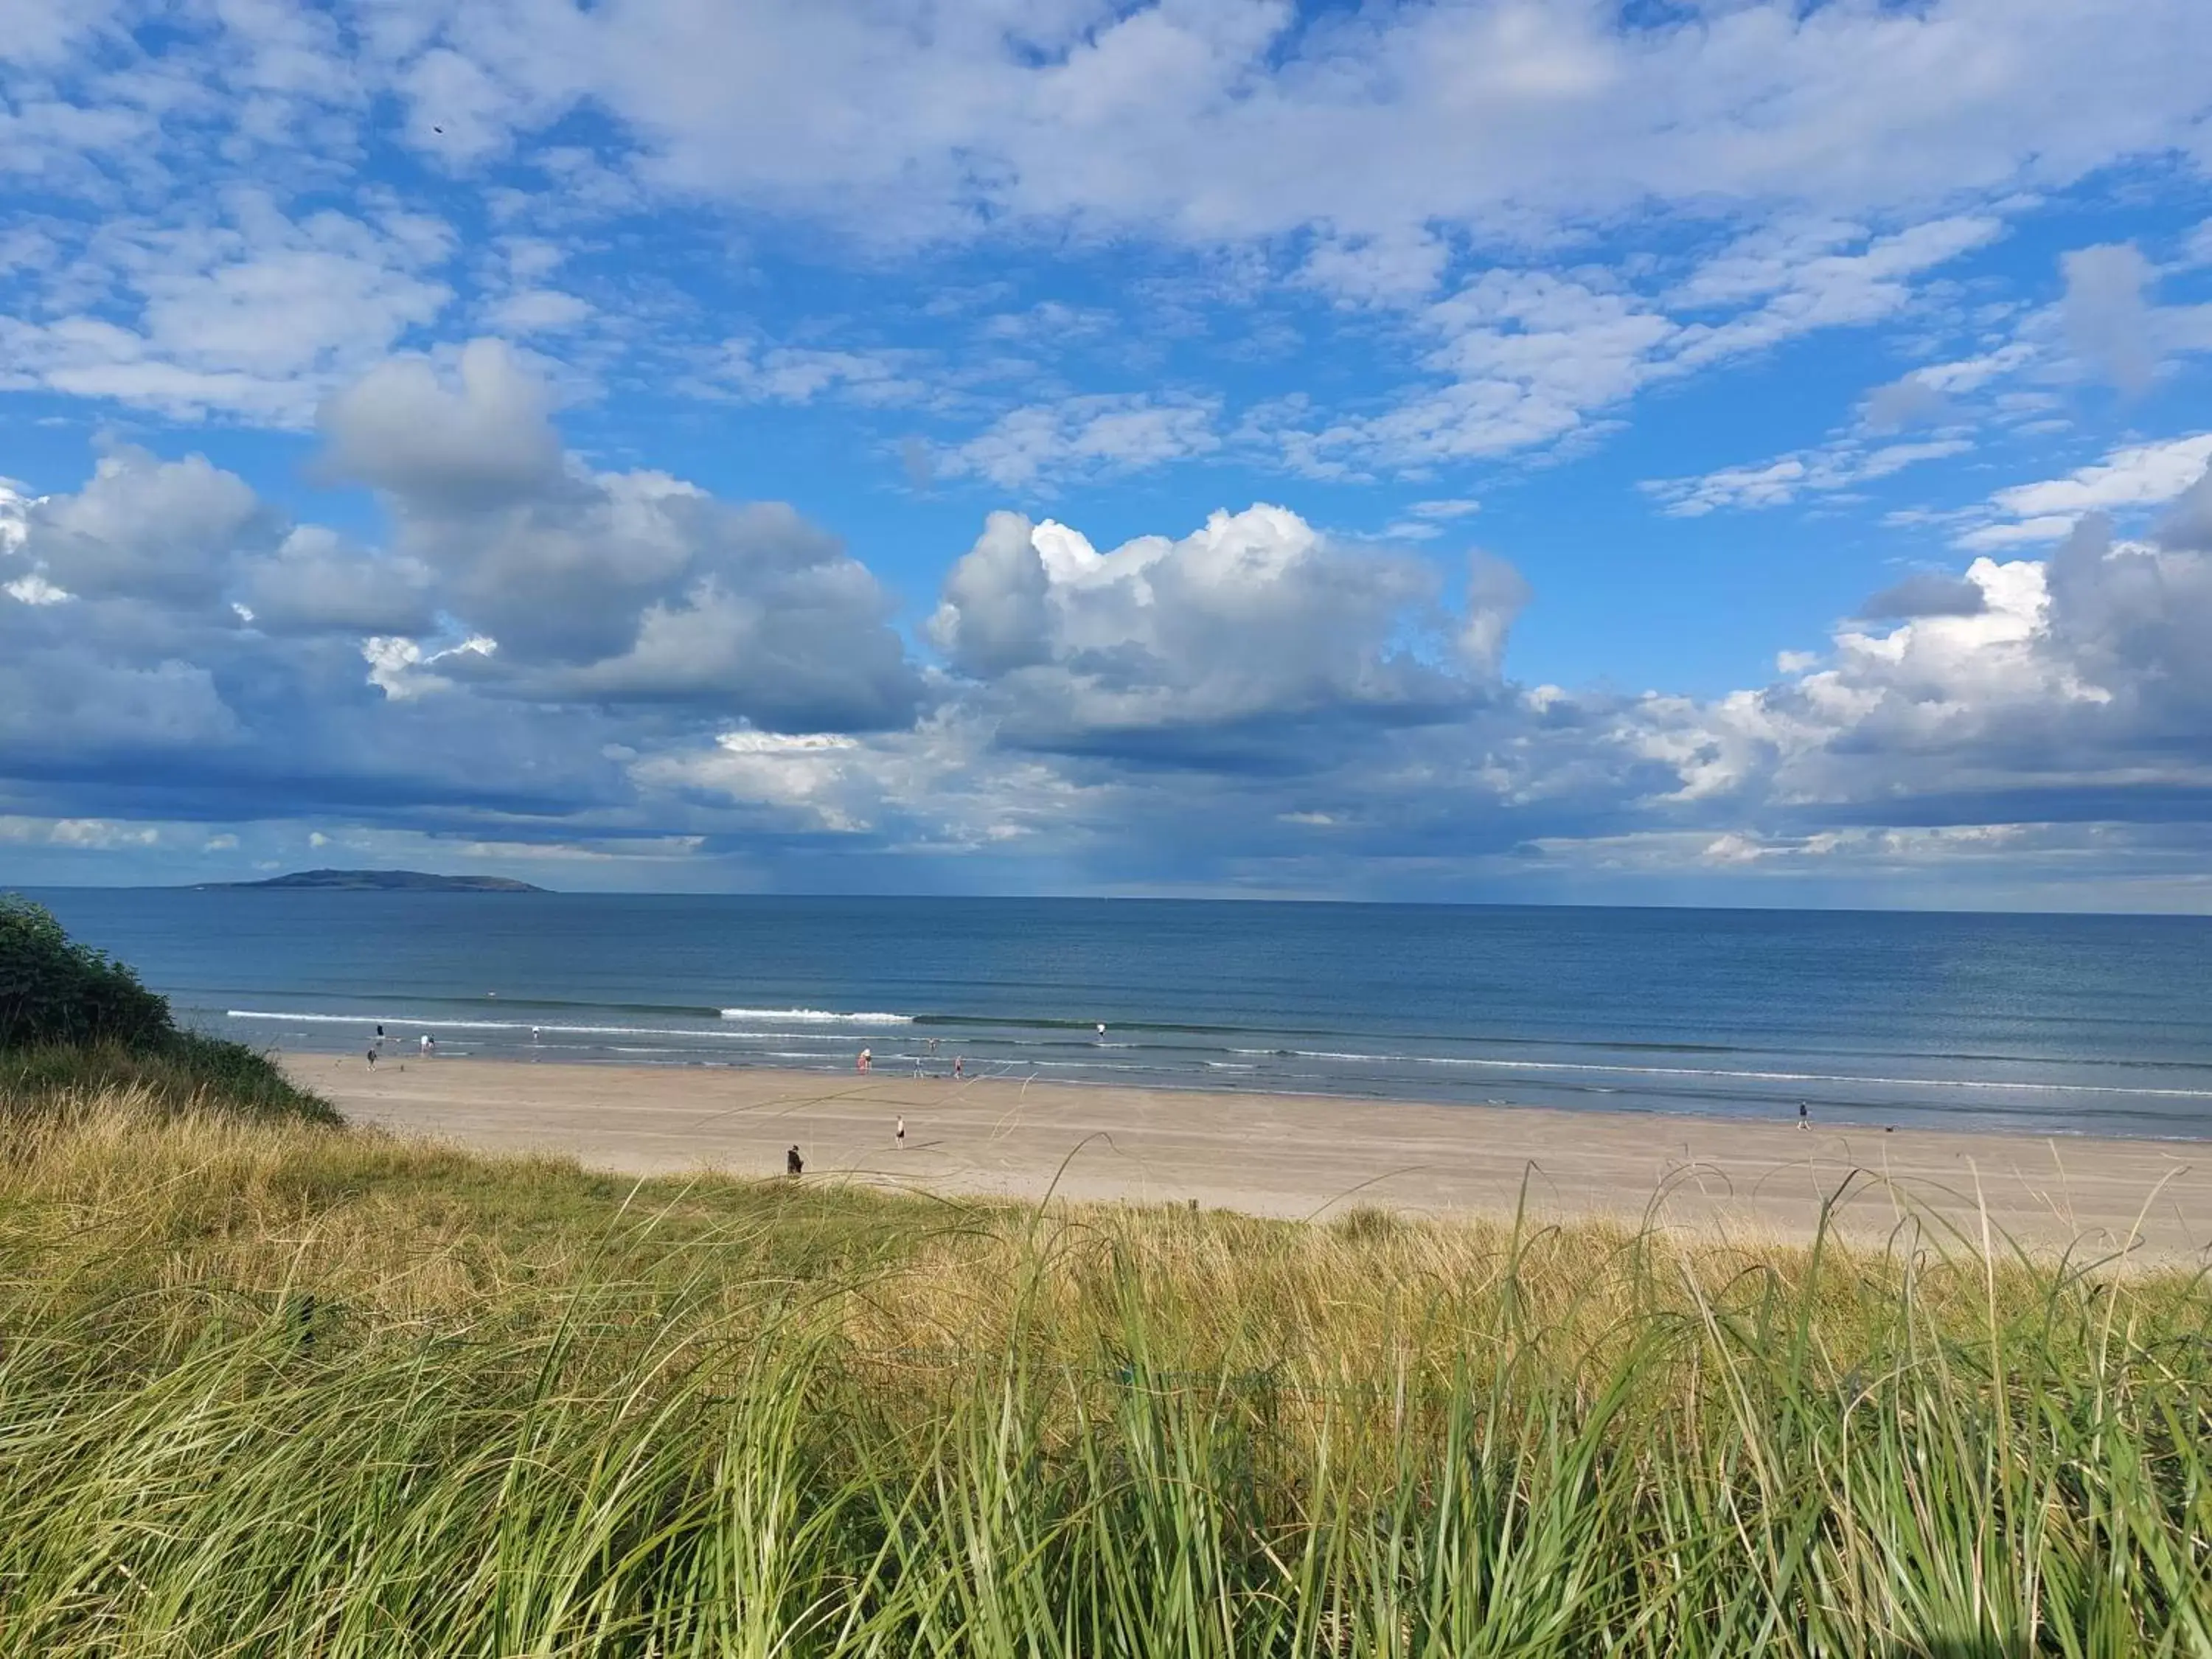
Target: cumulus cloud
143 528
1926 594
529 626
1256 617
2069 688
480 440
613 587
316 581
68 710
2188 526
1257 701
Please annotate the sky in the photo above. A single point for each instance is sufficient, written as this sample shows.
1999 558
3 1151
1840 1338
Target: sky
1596 451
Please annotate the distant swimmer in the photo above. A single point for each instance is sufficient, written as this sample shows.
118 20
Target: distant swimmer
898 1135
793 1164
533 1034
1102 1031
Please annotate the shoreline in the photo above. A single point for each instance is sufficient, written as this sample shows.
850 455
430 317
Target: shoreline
1298 1155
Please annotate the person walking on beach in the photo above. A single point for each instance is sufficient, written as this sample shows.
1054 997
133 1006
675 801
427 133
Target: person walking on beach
371 1060
898 1135
794 1165
1804 1116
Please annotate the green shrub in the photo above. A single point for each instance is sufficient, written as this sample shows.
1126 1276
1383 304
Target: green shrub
74 1019
54 990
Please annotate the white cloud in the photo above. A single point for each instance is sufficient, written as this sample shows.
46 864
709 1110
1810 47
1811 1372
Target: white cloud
1924 397
809 775
2136 476
1528 357
1805 284
1095 435
794 375
538 311
1214 124
35 589
1839 465
258 316
403 670
1255 617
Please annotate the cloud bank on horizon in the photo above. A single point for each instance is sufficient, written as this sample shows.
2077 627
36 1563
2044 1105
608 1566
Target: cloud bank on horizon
1737 451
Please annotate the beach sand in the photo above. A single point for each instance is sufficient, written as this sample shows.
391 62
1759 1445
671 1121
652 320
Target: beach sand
1294 1155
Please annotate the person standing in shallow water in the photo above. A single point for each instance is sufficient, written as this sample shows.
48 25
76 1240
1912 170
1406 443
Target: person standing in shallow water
1804 1116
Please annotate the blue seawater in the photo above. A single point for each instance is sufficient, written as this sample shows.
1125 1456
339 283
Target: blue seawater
2049 1024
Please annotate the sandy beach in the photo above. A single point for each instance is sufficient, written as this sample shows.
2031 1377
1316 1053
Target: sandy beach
1291 1156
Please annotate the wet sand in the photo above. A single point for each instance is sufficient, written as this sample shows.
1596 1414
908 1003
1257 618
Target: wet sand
1295 1155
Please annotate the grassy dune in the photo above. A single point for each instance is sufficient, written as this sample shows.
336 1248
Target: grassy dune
272 1387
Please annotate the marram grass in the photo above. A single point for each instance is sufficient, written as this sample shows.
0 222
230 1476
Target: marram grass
290 1390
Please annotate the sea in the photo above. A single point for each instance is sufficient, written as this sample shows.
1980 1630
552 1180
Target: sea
2040 1024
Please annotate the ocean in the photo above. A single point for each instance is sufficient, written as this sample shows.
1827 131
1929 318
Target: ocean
2046 1024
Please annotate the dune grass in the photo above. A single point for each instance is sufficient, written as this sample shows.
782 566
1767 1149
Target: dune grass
183 1071
272 1388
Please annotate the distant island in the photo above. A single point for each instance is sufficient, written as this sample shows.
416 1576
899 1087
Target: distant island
378 881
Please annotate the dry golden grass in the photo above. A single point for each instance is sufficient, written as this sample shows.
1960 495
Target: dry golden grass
773 1417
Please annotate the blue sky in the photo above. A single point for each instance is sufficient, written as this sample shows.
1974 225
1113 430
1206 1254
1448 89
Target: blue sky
1732 453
